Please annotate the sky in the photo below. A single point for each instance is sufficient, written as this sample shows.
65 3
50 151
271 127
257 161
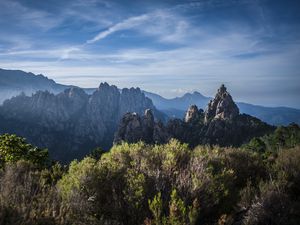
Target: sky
168 47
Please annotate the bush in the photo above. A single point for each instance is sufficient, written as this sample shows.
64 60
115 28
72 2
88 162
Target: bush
25 198
166 184
14 148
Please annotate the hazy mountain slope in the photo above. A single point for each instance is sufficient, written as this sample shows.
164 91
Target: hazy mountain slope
179 103
13 82
176 107
272 115
72 122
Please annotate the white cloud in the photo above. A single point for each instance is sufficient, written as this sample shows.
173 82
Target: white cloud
126 24
163 24
200 66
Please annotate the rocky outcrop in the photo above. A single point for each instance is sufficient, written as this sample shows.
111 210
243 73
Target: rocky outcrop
193 114
72 122
221 107
220 124
130 128
134 128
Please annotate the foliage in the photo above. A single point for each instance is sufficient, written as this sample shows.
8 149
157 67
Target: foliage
14 148
178 214
282 137
156 208
25 197
166 184
96 153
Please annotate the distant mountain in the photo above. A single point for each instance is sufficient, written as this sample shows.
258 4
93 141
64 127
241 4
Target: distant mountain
13 82
272 115
176 108
179 103
220 124
70 124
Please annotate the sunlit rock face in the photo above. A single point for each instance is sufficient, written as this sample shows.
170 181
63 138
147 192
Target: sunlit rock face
221 107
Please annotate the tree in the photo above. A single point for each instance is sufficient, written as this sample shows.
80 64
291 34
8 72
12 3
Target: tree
14 148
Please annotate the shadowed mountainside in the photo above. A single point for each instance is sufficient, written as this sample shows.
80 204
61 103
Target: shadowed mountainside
72 123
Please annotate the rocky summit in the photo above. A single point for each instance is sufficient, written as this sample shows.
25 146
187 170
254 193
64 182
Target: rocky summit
221 124
193 114
221 107
70 124
134 128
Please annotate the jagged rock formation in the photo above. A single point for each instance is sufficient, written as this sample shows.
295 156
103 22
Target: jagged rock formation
221 107
193 114
220 124
72 122
134 128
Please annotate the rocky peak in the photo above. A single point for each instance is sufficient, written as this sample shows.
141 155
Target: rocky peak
105 92
134 100
133 128
222 89
191 114
130 128
222 106
75 92
149 115
221 124
71 100
103 85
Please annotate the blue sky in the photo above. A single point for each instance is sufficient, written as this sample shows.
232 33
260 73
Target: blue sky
168 47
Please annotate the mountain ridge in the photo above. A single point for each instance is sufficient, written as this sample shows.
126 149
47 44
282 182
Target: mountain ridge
73 120
174 107
14 82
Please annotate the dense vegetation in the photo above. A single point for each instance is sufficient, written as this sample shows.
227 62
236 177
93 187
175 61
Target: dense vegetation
169 184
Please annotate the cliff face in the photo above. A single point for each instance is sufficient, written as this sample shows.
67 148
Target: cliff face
72 123
219 124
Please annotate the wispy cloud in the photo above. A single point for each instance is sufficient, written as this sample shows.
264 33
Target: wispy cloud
126 24
160 23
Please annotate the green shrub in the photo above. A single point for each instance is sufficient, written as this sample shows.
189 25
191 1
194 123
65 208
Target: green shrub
26 199
14 148
166 184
